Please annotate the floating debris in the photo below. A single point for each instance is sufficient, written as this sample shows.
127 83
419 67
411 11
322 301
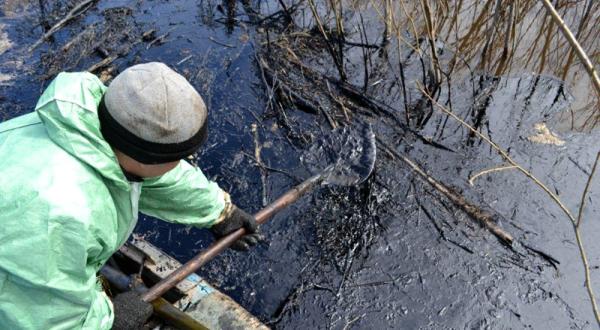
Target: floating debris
544 136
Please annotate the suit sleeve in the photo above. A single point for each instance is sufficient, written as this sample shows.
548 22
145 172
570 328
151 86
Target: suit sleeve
185 196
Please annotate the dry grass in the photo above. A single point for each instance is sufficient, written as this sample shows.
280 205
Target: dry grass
492 36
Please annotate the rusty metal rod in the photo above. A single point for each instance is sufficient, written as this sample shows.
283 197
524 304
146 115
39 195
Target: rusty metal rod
221 245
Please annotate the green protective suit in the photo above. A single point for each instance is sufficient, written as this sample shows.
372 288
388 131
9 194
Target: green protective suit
66 207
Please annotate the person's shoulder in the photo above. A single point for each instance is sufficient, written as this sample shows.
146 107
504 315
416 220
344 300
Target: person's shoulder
22 121
77 78
82 88
48 182
66 81
45 160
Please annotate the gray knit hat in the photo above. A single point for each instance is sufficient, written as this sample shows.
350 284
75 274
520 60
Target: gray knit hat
153 114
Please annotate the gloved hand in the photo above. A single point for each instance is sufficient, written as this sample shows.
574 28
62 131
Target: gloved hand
237 219
131 312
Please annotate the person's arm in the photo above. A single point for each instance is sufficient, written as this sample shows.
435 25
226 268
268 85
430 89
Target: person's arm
185 196
100 315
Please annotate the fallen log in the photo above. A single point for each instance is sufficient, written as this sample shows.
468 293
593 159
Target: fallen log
484 218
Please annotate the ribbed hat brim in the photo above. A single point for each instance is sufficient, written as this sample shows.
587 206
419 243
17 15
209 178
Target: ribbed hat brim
144 151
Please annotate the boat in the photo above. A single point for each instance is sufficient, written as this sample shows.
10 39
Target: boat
194 296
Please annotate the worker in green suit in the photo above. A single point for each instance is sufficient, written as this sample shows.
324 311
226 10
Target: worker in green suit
74 174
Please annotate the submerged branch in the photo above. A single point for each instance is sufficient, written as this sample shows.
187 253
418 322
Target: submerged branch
485 218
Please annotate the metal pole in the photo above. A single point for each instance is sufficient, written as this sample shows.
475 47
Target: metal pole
162 308
219 246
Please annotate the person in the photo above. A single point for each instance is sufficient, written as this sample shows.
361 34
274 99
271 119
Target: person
74 174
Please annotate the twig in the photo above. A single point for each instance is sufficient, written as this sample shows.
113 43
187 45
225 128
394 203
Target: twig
431 39
43 20
352 93
112 58
378 283
388 19
349 323
292 96
220 43
439 229
338 61
589 67
121 52
584 21
588 277
78 37
291 300
297 99
263 174
269 88
585 191
361 44
488 171
159 39
185 59
286 11
297 179
76 11
279 13
588 283
102 63
330 120
551 260
336 100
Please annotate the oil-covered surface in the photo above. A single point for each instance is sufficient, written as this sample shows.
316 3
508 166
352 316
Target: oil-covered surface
344 156
391 252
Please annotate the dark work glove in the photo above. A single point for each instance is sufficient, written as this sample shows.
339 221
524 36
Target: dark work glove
131 312
238 219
